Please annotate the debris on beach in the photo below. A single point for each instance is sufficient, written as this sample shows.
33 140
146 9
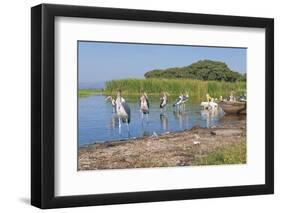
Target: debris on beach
196 142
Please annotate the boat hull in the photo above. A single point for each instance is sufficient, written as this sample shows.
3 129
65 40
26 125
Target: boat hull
233 107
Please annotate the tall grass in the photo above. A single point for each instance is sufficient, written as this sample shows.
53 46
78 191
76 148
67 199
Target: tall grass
195 88
88 92
235 154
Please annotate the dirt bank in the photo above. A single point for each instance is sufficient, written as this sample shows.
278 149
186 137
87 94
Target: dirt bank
170 149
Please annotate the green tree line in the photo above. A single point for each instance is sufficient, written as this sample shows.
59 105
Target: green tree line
201 70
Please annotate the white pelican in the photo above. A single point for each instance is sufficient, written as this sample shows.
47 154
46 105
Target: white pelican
232 97
204 105
113 103
123 111
212 105
208 97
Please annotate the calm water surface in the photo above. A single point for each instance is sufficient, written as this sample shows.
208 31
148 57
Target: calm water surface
98 123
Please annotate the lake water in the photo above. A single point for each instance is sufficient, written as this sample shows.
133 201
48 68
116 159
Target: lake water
98 123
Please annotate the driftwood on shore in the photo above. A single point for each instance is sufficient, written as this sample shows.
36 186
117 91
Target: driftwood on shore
171 149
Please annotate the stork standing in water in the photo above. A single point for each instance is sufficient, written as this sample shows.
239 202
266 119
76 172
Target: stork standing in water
144 105
113 103
123 111
163 101
243 98
181 100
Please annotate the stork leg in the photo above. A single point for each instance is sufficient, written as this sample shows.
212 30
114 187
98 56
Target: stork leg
128 128
119 126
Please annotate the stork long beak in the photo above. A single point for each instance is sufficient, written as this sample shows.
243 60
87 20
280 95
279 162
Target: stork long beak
107 98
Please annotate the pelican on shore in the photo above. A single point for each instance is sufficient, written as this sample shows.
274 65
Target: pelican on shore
163 101
144 104
123 111
113 103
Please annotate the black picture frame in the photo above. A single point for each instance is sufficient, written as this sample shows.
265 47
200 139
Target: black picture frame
43 105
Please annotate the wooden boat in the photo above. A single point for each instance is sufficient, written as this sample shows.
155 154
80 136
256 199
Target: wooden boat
233 107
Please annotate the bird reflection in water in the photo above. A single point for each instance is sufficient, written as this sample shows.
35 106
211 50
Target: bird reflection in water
144 132
182 117
209 116
113 123
164 122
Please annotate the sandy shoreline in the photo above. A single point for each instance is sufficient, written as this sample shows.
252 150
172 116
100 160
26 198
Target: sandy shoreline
172 149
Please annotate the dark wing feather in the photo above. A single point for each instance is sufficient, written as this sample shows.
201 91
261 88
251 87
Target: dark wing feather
127 110
162 100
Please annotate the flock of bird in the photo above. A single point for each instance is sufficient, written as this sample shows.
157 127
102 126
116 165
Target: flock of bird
123 111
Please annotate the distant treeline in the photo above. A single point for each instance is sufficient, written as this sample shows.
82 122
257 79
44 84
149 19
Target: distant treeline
201 70
195 88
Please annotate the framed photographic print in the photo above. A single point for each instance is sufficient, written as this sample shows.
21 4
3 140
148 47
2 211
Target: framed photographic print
139 106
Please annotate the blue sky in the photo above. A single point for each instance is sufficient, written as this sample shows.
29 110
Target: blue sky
101 61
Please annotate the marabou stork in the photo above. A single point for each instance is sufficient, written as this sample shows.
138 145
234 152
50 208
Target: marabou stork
144 104
123 111
163 101
181 100
243 98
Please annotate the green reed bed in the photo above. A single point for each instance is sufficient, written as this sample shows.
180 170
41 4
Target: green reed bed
89 92
195 88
